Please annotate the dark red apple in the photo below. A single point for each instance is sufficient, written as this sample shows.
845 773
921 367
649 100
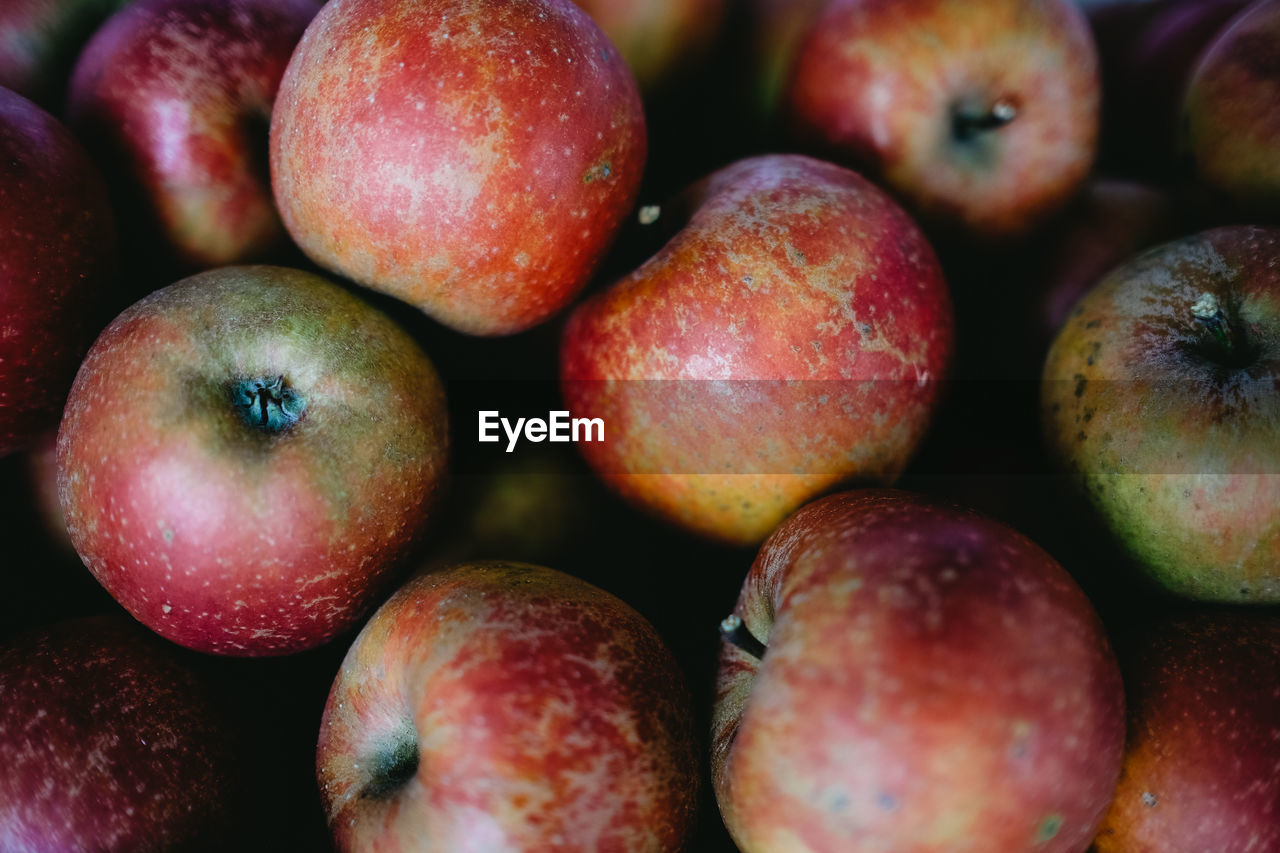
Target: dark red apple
109 742
500 706
40 40
474 158
982 116
904 675
57 266
793 335
1200 769
247 455
175 97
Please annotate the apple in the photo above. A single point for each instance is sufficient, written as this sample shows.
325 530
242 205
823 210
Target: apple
776 29
175 97
1230 118
1200 767
110 742
791 336
40 40
57 266
1158 397
983 117
503 706
245 457
474 158
900 674
658 38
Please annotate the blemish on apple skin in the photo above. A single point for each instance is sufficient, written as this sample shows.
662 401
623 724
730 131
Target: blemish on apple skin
1149 799
1049 827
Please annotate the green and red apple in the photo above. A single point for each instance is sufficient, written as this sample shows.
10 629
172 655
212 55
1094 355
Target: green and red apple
474 158
498 706
900 674
175 97
1159 399
983 117
246 456
793 335
658 38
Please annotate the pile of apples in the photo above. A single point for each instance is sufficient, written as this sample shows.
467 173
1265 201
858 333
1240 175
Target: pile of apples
932 349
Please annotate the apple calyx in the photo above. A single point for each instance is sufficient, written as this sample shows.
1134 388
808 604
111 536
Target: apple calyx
1228 349
269 404
734 632
969 120
392 767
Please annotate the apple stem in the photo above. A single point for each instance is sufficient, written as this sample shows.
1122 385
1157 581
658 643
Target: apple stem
967 124
268 404
734 632
1209 312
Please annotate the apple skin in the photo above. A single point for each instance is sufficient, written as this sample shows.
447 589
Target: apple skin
110 742
1200 767
658 38
1231 120
175 97
1170 434
883 83
497 706
56 282
474 158
218 533
39 42
793 335
931 681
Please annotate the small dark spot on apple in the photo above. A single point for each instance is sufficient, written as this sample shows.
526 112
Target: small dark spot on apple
1080 436
1092 324
1080 383
1088 415
887 801
1149 799
1049 827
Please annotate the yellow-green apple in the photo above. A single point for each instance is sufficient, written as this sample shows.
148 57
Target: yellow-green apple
110 742
499 706
57 265
1231 111
904 675
174 97
39 43
658 38
1204 711
791 336
1159 399
474 158
982 116
246 455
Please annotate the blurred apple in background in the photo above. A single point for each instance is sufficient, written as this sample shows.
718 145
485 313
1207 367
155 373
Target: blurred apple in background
39 43
1231 112
793 335
474 158
174 97
982 117
658 38
247 455
903 675
110 742
57 266
1159 399
1204 712
503 706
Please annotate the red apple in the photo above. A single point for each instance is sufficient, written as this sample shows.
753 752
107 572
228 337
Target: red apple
776 28
983 116
40 40
57 264
903 675
791 336
245 457
658 38
1200 769
109 742
500 706
474 158
1231 112
1159 398
176 97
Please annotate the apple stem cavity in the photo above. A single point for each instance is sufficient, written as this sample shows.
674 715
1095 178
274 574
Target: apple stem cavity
967 123
268 404
1228 348
390 769
734 632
